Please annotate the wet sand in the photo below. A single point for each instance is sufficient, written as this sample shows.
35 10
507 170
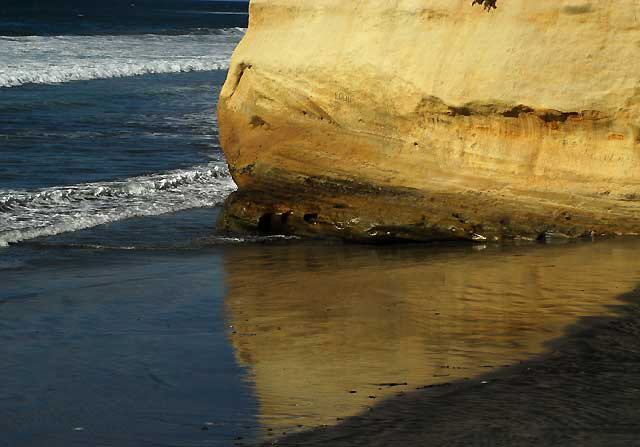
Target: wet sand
325 331
585 391
210 343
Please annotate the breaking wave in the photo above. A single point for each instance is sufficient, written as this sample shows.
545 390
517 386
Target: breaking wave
49 211
56 59
116 71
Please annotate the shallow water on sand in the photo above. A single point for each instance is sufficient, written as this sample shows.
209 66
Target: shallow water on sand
139 344
327 332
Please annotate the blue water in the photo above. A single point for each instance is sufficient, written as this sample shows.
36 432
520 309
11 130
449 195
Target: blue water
91 17
101 127
111 321
100 130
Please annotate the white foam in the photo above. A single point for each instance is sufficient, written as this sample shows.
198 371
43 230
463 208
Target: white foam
30 214
56 59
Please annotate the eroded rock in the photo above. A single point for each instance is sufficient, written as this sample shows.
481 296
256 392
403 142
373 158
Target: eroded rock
425 120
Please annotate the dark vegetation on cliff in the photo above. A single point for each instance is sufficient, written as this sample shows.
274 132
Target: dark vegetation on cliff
488 4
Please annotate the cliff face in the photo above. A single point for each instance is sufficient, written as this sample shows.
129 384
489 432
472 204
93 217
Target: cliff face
428 119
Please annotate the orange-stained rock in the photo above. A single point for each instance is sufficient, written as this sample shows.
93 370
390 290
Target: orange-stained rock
431 119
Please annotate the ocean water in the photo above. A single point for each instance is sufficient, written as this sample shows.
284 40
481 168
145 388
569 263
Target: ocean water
99 128
125 320
85 153
107 116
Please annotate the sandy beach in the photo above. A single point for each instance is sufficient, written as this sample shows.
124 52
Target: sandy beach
122 336
585 391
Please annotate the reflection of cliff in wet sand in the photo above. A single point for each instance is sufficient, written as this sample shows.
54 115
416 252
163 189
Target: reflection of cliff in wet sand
586 393
435 119
322 322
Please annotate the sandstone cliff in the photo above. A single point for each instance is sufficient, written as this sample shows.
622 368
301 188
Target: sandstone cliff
431 119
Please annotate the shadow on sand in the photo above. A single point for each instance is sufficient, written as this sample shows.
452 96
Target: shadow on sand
585 391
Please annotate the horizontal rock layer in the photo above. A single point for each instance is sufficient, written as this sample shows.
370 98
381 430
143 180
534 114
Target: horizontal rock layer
432 119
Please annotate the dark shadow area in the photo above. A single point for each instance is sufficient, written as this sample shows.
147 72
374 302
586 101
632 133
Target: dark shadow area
584 392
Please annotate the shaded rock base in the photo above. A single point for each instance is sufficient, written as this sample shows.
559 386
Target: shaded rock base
345 209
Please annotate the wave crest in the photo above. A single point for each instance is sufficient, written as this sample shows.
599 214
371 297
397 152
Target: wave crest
30 214
57 59
85 74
